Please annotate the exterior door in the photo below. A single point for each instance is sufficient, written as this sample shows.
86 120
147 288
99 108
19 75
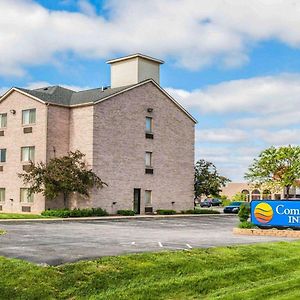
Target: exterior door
137 201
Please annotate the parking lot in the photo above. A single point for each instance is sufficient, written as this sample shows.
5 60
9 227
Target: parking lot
59 242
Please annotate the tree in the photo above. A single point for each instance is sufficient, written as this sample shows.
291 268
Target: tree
239 197
276 168
207 180
62 175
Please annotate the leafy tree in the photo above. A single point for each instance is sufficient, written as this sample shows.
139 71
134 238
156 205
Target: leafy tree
207 180
276 168
62 175
239 197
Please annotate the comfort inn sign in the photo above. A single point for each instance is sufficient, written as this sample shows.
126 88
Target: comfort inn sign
284 213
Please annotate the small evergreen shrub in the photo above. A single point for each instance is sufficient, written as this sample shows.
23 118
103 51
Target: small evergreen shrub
244 212
126 212
166 212
200 211
75 213
246 225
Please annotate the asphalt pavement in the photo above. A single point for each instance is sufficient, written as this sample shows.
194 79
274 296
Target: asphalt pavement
59 242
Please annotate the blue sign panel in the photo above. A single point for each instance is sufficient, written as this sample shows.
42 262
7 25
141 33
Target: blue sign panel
284 213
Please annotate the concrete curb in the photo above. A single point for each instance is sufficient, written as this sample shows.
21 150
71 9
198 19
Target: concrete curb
268 232
111 218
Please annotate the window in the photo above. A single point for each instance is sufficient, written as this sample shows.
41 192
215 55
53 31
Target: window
2 195
148 159
27 154
28 116
3 120
149 124
25 197
148 198
2 155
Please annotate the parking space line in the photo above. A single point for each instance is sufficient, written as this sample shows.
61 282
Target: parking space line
189 246
160 244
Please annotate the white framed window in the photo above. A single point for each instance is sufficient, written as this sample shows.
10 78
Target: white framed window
28 116
25 197
2 155
2 195
27 154
148 159
3 120
149 124
148 198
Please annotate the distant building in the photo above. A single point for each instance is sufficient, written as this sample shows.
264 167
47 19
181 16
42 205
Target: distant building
233 188
136 137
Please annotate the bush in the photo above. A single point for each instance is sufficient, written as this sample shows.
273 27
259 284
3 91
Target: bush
166 212
75 213
246 225
199 211
124 212
244 212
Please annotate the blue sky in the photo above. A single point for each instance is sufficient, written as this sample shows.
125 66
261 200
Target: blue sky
234 66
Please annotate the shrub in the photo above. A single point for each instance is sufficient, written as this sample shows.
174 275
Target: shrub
124 212
200 211
246 225
244 212
166 212
74 213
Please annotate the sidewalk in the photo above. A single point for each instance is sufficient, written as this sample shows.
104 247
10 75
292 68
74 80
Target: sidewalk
79 219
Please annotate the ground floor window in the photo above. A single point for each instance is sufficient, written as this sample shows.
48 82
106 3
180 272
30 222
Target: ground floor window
2 194
25 197
148 198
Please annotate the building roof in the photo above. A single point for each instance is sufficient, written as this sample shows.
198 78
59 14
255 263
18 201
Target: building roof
58 95
111 61
63 96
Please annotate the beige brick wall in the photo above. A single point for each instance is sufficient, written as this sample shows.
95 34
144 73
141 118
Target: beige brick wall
13 140
112 135
58 131
120 145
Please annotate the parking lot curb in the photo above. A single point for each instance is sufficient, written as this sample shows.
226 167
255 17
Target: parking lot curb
109 218
268 232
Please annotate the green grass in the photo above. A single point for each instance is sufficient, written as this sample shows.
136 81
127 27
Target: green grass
2 231
20 216
265 271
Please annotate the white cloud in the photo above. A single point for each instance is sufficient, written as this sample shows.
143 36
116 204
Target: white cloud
203 32
221 135
258 95
87 8
279 137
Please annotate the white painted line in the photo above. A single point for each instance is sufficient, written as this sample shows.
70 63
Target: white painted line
132 243
189 246
160 244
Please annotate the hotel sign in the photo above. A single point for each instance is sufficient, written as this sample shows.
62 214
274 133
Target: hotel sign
285 213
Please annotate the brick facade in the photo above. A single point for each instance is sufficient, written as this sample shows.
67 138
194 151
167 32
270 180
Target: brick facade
112 135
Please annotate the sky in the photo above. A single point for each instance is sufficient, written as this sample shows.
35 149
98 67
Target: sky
235 65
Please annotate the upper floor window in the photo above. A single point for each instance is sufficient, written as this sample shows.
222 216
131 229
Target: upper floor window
148 124
148 159
2 194
27 154
28 116
2 155
3 120
25 196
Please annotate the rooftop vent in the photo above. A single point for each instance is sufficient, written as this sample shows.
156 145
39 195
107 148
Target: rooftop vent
133 69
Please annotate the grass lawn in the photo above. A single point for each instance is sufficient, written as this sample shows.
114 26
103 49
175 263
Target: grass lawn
265 271
2 231
21 216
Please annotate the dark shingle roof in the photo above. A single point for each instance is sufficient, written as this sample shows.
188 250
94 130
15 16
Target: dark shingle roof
63 96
